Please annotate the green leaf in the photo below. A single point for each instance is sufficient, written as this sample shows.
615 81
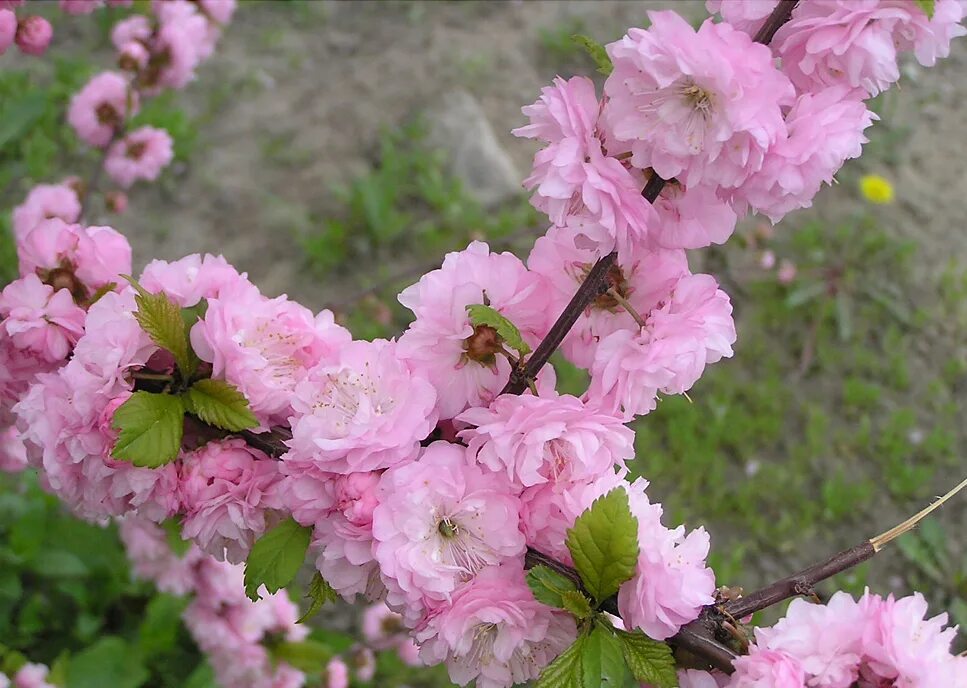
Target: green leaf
596 52
151 428
549 586
172 529
602 661
109 662
218 403
161 626
58 670
928 6
18 116
192 315
576 603
319 593
604 544
485 315
276 557
566 671
161 319
309 656
650 661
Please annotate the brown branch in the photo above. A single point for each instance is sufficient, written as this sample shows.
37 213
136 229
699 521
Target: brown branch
798 584
780 15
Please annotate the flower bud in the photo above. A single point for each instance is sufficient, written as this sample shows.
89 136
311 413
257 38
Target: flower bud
33 35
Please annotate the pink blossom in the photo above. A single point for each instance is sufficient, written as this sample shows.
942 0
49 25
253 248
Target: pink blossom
133 29
494 631
409 653
336 674
32 676
116 201
344 538
572 175
826 640
81 259
464 362
33 35
855 42
79 6
13 453
363 662
192 278
141 155
45 201
133 56
183 39
691 218
825 129
382 627
768 669
745 15
40 320
701 106
672 582
8 29
307 492
904 645
264 347
695 678
787 271
152 558
66 417
545 439
644 276
98 109
362 412
439 522
220 11
692 328
227 491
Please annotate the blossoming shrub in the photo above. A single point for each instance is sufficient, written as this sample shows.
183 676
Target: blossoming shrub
442 472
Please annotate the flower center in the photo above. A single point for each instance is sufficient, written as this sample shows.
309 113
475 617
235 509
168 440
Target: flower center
107 115
448 529
615 279
136 150
483 345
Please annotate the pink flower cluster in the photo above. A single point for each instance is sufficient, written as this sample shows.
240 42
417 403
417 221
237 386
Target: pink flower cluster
228 627
423 483
28 676
867 643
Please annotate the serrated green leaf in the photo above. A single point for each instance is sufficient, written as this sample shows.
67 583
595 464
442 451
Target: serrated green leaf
276 557
218 403
319 593
596 52
565 671
602 662
576 603
549 586
151 428
481 314
309 656
650 661
177 544
161 319
604 544
928 6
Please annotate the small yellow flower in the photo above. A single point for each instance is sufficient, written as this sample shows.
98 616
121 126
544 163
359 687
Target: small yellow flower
876 189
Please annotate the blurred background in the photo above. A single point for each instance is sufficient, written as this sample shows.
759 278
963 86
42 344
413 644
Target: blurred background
335 151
